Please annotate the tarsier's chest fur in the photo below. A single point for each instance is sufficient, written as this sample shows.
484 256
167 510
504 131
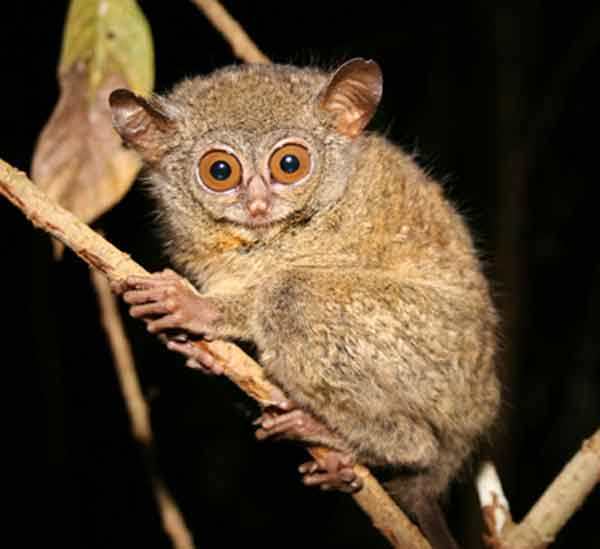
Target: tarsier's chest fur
362 293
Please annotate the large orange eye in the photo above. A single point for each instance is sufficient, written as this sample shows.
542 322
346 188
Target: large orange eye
220 171
290 163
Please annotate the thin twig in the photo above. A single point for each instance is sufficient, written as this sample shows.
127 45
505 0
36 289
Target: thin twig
240 368
554 508
560 500
242 45
123 358
172 519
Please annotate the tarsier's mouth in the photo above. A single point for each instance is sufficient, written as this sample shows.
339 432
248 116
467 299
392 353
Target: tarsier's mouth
260 221
268 219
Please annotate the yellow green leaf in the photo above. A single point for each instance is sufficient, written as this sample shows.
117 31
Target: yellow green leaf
109 36
79 159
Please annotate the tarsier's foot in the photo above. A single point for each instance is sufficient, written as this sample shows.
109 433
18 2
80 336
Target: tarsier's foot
334 471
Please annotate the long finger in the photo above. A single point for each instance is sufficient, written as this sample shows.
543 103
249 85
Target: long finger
263 417
150 309
289 418
286 429
315 479
332 480
309 467
197 354
138 297
147 282
195 365
167 274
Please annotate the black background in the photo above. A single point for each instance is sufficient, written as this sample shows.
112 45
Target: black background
499 101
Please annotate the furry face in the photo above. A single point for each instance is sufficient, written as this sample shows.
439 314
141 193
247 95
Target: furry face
252 145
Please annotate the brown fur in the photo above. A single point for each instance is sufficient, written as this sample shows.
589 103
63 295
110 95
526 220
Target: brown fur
366 301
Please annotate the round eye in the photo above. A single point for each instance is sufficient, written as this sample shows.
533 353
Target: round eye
290 163
220 171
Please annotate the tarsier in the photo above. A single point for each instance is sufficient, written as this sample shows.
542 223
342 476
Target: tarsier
336 255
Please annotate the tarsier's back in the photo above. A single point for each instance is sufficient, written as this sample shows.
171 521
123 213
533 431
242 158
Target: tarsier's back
336 255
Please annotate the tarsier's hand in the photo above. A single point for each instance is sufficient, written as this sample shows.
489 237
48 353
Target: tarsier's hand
170 305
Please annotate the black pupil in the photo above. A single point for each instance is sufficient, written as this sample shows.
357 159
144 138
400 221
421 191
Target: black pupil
220 170
289 163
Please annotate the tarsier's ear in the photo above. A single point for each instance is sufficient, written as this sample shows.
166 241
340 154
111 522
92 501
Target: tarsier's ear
353 94
139 124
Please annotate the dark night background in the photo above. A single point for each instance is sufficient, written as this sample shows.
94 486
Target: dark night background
501 103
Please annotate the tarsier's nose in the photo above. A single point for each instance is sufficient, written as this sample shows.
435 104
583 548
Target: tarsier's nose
258 197
258 208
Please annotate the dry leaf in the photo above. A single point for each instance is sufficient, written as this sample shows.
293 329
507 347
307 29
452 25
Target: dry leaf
79 159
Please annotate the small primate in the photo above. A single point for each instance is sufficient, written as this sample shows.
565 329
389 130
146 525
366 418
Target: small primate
331 251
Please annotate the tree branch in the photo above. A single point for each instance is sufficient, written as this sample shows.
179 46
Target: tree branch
560 500
172 519
242 45
550 513
123 358
240 368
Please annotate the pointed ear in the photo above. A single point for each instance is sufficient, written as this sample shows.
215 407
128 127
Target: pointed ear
139 123
353 94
